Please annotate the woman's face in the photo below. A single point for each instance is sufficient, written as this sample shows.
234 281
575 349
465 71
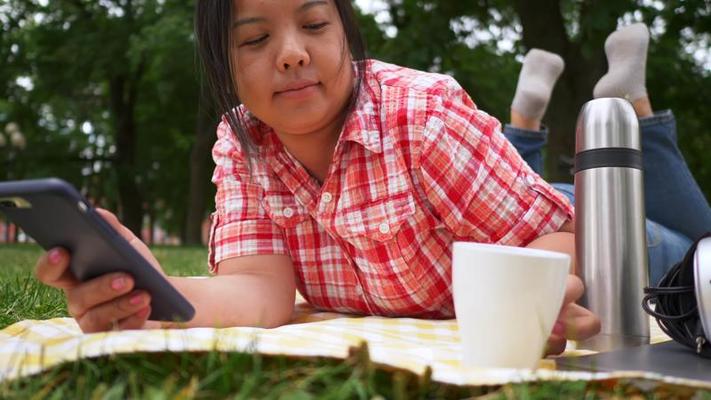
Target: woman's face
291 63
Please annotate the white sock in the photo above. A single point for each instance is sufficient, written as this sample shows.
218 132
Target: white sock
626 51
539 73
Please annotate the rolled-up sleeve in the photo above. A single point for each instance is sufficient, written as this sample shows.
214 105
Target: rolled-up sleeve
477 182
239 226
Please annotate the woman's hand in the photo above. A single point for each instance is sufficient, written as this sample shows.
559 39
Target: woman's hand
106 302
574 322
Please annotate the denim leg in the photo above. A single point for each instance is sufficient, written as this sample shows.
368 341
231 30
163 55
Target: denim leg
665 247
567 190
672 196
529 145
675 207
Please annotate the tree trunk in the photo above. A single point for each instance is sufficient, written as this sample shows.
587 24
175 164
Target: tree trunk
544 28
123 103
9 229
151 227
200 171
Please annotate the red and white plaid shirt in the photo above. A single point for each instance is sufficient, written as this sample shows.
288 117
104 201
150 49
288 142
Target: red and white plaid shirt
416 168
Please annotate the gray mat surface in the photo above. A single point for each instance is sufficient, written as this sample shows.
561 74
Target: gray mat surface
669 358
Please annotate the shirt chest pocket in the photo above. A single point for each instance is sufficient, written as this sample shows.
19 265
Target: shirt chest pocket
284 210
386 235
376 222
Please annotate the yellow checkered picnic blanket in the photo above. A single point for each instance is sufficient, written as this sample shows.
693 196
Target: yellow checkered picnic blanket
29 347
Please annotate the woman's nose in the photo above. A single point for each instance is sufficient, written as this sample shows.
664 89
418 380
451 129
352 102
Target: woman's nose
292 53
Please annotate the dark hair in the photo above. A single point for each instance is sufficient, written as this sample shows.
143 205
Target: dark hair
213 27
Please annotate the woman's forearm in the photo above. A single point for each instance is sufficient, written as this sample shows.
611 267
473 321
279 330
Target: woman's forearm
236 300
563 242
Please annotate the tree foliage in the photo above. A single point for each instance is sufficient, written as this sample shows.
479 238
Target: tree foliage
471 41
108 94
113 100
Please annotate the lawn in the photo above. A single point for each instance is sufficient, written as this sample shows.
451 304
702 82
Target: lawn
241 375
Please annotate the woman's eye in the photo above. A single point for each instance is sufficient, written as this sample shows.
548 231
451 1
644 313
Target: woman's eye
316 27
256 41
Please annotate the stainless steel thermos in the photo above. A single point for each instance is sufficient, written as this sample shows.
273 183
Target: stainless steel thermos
610 232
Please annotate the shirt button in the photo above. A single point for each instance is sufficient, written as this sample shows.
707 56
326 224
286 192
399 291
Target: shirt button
288 212
530 180
384 228
359 291
326 197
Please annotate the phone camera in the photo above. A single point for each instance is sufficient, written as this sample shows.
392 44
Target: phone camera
7 204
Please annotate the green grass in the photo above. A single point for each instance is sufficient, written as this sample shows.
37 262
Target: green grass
23 297
243 375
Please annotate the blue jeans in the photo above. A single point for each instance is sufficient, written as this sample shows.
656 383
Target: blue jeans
677 210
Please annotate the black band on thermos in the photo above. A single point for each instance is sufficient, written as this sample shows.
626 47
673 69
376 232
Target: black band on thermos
608 157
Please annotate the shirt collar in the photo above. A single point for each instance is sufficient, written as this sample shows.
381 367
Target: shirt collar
362 124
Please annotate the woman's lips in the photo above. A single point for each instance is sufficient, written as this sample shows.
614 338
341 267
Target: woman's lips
299 91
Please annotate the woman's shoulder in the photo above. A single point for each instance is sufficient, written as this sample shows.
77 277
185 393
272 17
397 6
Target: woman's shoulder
391 76
247 122
412 99
228 146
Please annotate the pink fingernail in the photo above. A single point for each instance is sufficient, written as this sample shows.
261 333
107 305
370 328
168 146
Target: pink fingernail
558 328
135 300
55 256
118 283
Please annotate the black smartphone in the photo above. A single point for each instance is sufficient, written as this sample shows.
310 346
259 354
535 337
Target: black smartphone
54 214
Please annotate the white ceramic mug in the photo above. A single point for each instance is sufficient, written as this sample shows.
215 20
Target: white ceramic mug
506 300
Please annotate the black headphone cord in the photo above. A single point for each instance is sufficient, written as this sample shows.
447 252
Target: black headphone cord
675 307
